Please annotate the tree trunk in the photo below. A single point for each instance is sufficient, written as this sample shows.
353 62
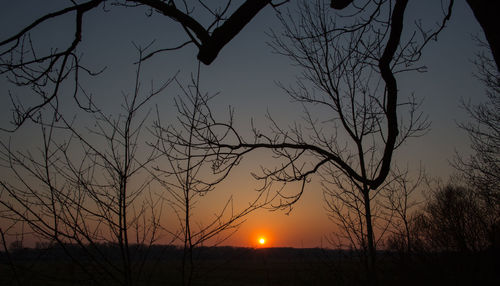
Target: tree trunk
372 253
486 13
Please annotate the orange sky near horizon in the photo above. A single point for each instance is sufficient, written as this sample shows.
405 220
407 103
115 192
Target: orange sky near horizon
306 225
248 84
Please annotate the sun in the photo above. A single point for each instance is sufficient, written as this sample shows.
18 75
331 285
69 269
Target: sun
262 241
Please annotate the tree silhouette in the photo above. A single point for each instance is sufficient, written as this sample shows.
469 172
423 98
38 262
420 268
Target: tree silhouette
44 72
189 175
400 205
485 12
481 170
453 219
86 187
348 72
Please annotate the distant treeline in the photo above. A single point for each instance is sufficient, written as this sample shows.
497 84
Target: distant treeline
56 252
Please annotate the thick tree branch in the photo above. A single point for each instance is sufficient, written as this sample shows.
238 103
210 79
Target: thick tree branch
340 4
486 13
211 45
315 149
229 29
391 89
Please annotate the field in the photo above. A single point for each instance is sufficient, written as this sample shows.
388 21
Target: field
246 266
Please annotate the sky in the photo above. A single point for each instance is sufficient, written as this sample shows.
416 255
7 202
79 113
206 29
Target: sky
245 73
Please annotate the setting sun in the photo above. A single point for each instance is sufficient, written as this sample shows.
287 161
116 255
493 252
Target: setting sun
262 241
261 238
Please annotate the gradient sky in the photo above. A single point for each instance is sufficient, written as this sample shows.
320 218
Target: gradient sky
245 73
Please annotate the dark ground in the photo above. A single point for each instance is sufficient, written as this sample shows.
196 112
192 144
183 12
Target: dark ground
247 266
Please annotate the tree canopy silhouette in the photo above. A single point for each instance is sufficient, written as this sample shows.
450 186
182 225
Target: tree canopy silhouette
26 66
485 11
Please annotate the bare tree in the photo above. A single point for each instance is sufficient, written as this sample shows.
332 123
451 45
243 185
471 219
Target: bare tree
87 187
481 170
348 73
484 11
28 64
207 25
191 174
400 206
